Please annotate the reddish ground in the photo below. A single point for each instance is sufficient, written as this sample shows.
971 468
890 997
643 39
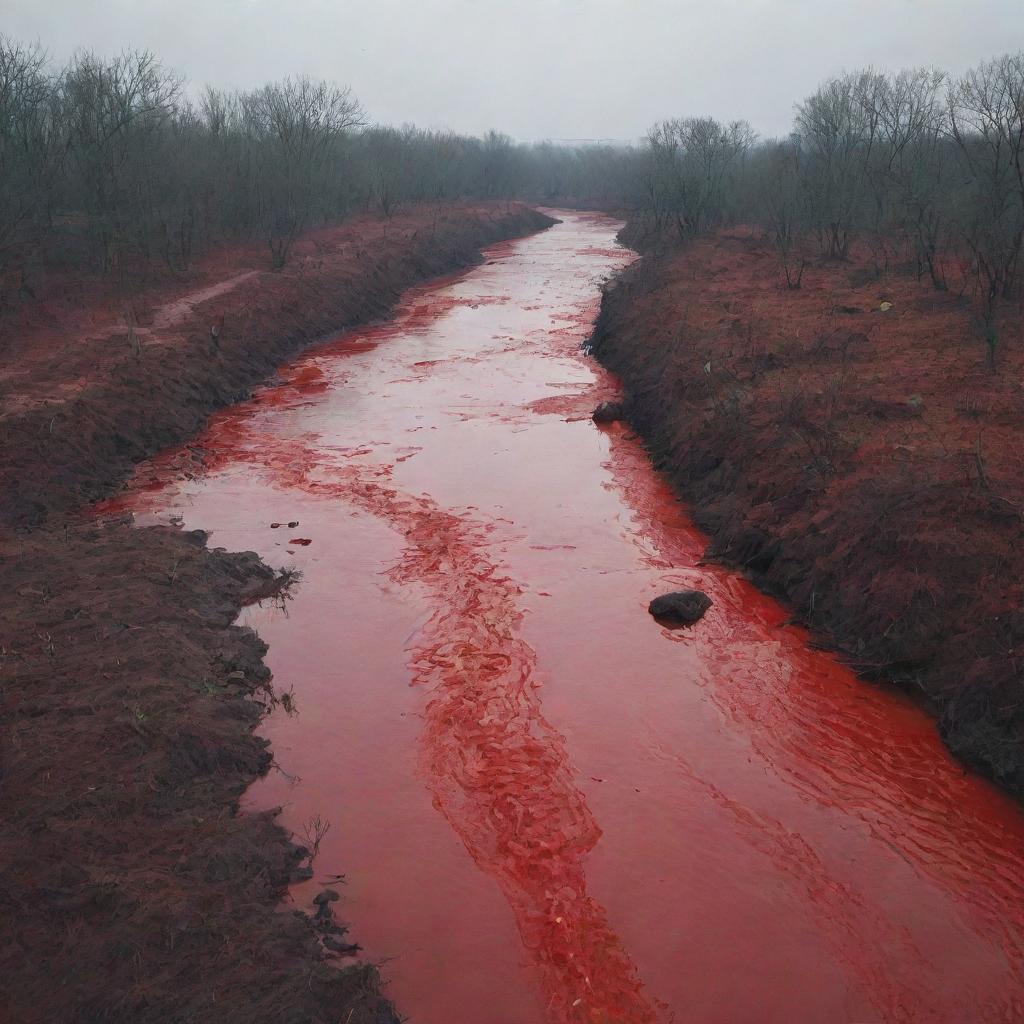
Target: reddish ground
131 890
92 379
862 461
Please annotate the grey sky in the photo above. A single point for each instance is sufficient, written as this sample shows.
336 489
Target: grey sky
537 68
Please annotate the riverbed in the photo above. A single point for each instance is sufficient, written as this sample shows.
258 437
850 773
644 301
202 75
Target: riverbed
546 806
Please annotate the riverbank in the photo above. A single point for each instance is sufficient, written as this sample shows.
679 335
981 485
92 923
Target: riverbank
847 445
132 889
92 388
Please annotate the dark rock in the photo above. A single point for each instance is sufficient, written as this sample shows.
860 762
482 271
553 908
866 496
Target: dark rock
681 607
327 896
345 948
608 412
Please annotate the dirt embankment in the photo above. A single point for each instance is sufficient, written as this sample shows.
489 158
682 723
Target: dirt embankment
89 392
847 444
131 889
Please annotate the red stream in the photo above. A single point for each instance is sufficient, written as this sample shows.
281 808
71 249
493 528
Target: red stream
547 807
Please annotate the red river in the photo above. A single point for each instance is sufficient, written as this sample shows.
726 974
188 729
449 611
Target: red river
547 807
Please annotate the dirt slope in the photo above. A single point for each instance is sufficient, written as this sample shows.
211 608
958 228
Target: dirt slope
86 392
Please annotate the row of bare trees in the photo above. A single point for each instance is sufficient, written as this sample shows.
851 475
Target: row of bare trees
105 161
929 164
920 168
112 162
113 165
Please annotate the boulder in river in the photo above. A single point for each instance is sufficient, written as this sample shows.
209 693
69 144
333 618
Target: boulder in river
681 607
608 412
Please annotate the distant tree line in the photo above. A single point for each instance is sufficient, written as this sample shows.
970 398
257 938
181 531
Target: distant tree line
108 162
920 169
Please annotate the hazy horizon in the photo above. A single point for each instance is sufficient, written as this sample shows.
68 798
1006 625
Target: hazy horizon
537 69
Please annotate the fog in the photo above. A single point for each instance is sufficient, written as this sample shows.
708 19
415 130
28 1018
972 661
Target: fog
558 69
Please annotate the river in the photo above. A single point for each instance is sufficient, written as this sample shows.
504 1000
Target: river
546 806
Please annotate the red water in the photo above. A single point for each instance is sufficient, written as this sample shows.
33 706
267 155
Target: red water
547 807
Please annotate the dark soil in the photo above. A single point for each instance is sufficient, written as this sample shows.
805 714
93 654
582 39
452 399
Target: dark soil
862 462
131 888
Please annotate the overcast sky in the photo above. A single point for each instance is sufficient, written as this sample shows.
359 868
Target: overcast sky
563 69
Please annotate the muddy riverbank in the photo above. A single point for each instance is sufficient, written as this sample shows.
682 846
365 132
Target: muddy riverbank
88 391
131 889
845 444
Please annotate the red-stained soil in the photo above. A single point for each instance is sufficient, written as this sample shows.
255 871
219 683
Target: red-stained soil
131 890
91 385
863 462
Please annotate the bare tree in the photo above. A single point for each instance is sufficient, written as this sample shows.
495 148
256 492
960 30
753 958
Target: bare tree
986 110
781 194
113 111
838 128
914 164
297 127
31 149
690 162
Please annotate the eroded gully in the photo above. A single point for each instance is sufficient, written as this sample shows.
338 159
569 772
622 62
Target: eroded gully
547 807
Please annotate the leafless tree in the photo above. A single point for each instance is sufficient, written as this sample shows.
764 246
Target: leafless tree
691 159
297 127
986 113
31 149
838 128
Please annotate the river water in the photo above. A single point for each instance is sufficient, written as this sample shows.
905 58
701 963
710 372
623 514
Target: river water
546 806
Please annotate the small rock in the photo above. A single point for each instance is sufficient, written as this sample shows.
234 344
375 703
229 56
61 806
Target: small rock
345 948
327 896
682 607
608 412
